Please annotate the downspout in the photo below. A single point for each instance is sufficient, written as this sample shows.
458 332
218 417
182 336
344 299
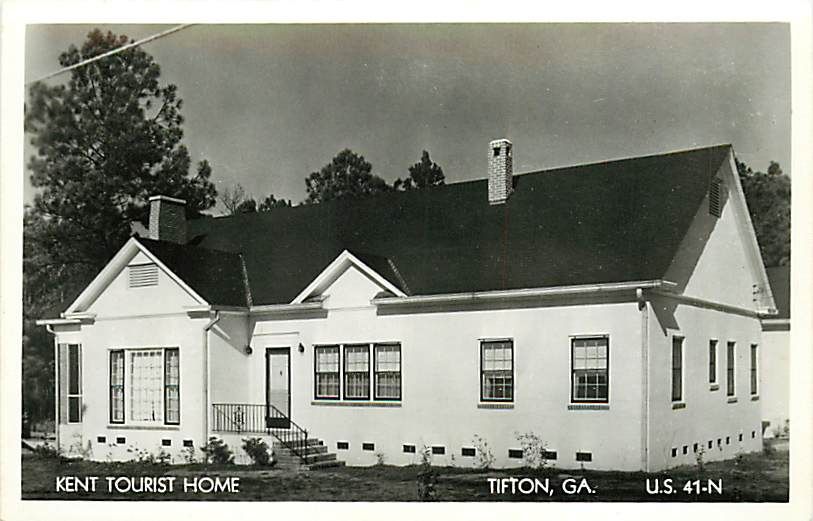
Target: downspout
206 381
643 306
49 328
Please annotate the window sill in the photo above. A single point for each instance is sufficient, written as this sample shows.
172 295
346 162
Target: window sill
714 387
732 399
125 427
679 405
354 404
755 398
588 407
495 405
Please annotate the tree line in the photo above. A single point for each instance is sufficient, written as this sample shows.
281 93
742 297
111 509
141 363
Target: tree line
111 137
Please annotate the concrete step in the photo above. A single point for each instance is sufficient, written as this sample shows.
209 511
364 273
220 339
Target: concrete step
324 464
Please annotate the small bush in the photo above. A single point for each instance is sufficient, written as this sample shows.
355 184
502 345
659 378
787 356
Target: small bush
188 455
258 451
534 450
380 459
46 450
485 458
426 477
699 458
216 451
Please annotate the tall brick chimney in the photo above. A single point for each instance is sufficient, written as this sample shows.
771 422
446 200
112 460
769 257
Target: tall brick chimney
167 219
500 171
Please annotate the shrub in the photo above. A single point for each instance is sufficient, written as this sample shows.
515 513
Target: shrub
257 450
46 450
534 450
216 451
380 458
485 458
699 458
426 477
188 455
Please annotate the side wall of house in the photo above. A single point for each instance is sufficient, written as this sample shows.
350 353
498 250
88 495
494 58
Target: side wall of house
440 405
704 414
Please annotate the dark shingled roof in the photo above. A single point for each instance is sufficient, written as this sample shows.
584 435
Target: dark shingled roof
217 276
779 277
605 222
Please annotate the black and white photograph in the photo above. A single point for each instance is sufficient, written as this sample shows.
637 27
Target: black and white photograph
406 262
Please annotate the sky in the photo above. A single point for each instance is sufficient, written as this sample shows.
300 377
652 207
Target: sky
269 104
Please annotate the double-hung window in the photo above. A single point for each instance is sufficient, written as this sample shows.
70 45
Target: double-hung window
357 372
677 369
145 386
590 369
74 383
327 372
754 374
497 370
730 352
387 362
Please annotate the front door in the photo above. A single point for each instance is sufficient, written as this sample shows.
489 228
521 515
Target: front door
278 387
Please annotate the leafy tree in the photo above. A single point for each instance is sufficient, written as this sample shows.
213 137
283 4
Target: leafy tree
347 175
106 140
768 198
422 174
235 200
271 202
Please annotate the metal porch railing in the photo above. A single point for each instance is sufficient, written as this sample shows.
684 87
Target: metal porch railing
261 419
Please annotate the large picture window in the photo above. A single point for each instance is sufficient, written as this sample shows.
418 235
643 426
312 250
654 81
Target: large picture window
387 362
677 369
497 370
145 386
590 374
327 372
357 372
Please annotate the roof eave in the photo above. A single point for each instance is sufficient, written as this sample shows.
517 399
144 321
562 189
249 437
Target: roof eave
512 294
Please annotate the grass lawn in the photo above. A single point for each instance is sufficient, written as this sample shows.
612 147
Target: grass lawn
754 478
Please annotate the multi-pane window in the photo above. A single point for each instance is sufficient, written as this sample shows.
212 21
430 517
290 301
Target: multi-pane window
754 374
677 369
730 369
497 370
387 360
712 361
74 383
145 377
172 380
145 385
327 372
117 386
590 376
357 372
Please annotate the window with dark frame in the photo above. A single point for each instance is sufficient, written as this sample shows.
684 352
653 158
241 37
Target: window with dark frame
387 371
117 386
677 368
357 372
326 368
144 386
172 391
754 374
712 361
730 387
74 383
590 369
497 370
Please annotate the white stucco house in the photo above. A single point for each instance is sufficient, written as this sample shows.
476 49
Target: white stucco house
612 309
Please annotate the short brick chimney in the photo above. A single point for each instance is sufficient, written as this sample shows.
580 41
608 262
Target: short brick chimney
500 171
168 219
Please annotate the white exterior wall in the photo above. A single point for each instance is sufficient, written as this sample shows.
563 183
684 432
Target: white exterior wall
440 380
127 318
707 414
775 392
